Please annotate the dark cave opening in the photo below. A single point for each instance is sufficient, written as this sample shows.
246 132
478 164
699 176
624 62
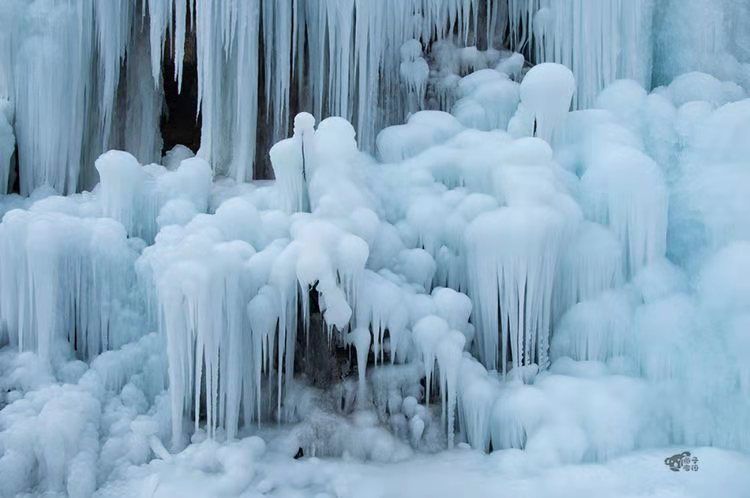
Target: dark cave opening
180 121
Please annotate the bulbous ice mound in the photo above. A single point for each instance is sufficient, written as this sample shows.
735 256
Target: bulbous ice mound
547 91
304 122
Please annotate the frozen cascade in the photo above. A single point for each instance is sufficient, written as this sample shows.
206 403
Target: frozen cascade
277 36
72 281
559 287
618 30
625 189
145 198
139 105
324 252
590 263
51 64
65 63
268 283
227 58
112 39
702 29
348 44
512 256
340 55
479 94
205 274
596 329
253 282
414 72
438 344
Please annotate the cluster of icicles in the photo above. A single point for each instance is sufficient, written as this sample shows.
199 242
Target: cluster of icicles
85 76
466 223
469 248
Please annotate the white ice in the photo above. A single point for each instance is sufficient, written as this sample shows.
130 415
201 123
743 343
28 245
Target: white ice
505 250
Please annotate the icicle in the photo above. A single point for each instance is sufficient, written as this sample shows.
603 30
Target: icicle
227 52
414 72
427 334
203 308
69 283
51 68
7 144
449 354
245 90
590 264
340 34
599 41
263 312
277 39
380 306
160 13
625 189
511 262
113 26
283 277
596 329
180 29
360 338
142 106
292 159
477 392
146 199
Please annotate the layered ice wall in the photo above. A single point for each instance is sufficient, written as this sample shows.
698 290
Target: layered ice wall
290 43
617 34
84 76
553 256
533 264
712 36
62 75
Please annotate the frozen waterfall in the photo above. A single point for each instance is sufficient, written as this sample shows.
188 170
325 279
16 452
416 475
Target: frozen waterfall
500 245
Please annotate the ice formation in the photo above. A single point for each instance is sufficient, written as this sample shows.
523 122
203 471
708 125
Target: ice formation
511 262
331 51
7 144
516 226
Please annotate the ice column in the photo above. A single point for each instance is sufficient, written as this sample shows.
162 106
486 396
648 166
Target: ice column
511 258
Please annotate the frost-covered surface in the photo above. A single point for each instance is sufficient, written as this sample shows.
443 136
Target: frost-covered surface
460 472
499 296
